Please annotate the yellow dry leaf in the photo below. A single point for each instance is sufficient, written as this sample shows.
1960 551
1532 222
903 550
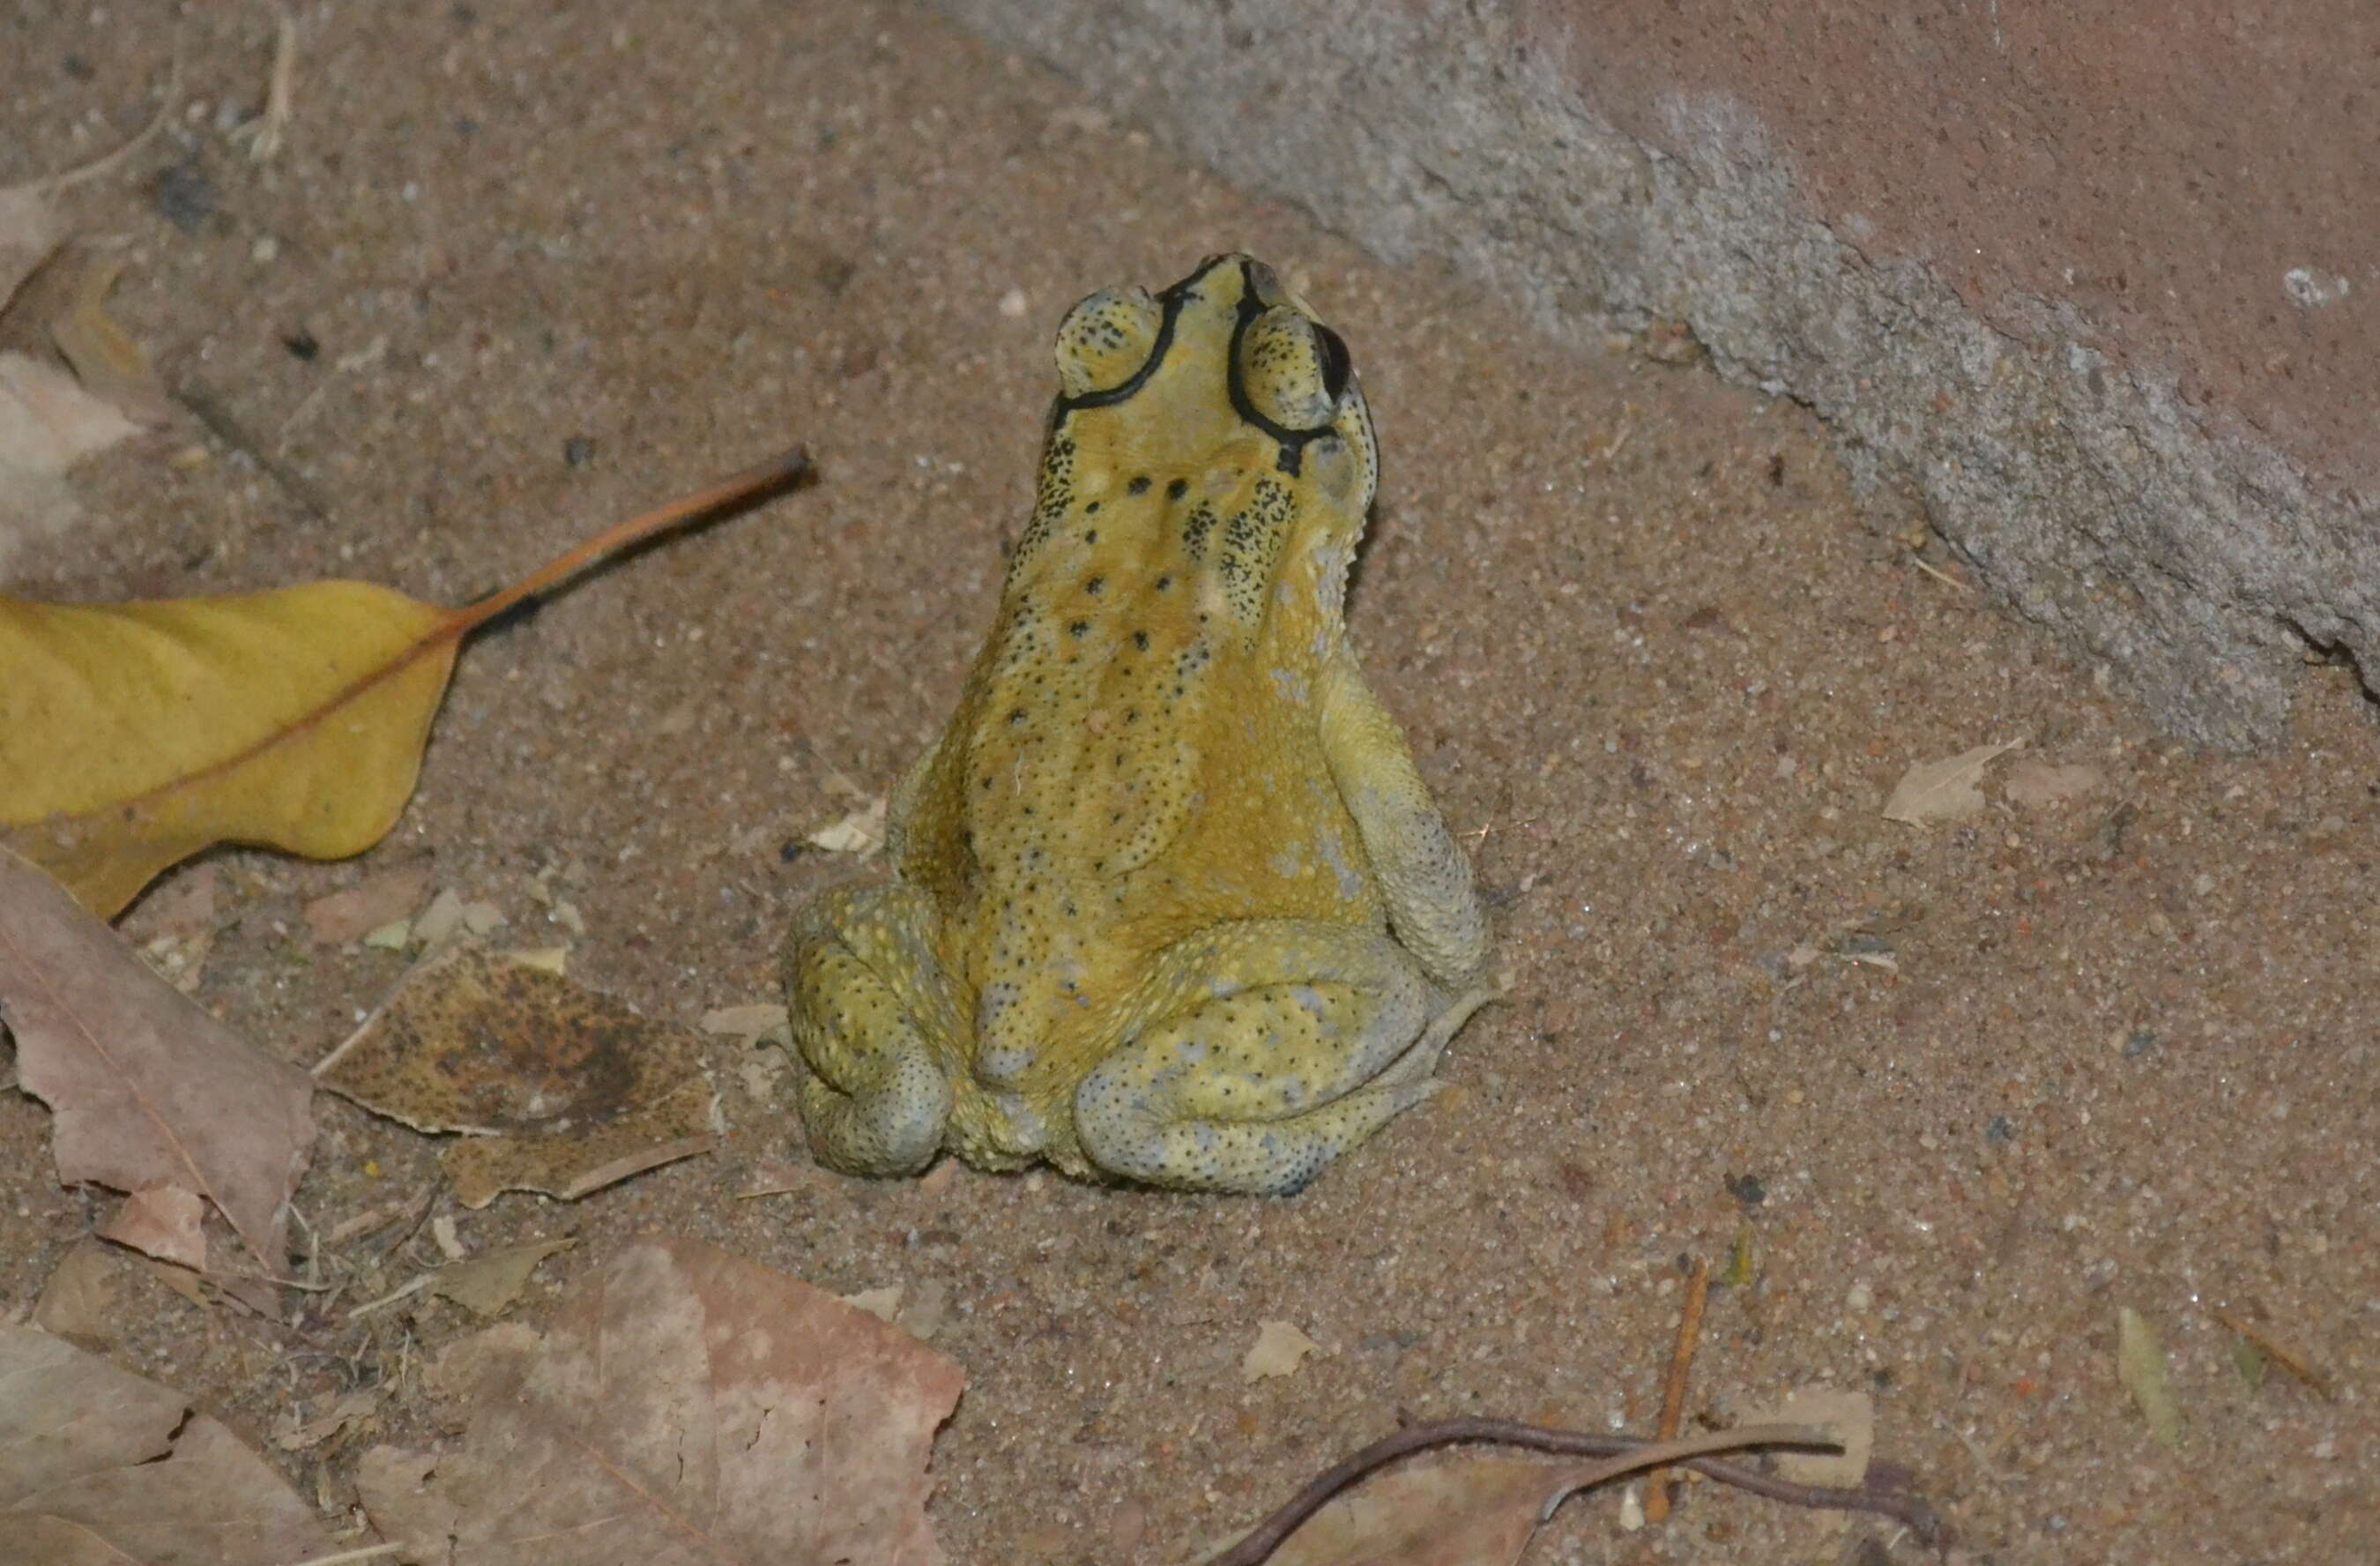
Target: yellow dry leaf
134 735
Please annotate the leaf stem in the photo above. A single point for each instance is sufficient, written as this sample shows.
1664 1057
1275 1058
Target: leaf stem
758 481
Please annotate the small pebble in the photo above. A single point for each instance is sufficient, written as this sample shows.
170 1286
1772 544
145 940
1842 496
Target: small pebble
579 450
184 196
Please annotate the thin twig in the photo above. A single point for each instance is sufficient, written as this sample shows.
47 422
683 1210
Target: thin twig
413 1223
263 133
221 423
2300 1369
1939 575
393 1295
100 167
1676 1449
348 1557
1673 1385
1908 1511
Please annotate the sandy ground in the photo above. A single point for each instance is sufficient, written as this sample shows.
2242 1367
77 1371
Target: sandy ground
1968 1090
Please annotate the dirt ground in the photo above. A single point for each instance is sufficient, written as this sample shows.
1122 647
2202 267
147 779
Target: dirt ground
1969 1089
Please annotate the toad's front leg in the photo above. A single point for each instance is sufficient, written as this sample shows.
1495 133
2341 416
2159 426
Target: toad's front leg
868 1001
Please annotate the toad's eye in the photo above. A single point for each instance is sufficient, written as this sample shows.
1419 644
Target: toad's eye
1104 341
1294 371
1336 366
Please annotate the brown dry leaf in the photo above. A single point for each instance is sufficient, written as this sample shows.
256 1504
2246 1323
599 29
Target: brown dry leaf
148 1091
47 425
351 915
488 1285
176 928
48 419
860 833
79 1297
1278 1349
133 735
61 307
106 359
29 232
442 921
558 1088
181 1280
190 907
1943 790
352 1411
1466 1512
99 1467
688 1406
2034 782
164 1221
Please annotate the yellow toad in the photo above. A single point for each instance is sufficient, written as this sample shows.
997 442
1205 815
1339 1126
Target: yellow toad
1169 901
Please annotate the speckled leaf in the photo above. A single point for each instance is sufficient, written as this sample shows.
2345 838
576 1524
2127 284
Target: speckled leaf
559 1088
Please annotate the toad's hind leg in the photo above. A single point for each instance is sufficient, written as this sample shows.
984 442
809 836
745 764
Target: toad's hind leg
867 996
1267 1049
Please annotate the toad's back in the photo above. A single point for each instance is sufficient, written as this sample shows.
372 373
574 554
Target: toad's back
1138 754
